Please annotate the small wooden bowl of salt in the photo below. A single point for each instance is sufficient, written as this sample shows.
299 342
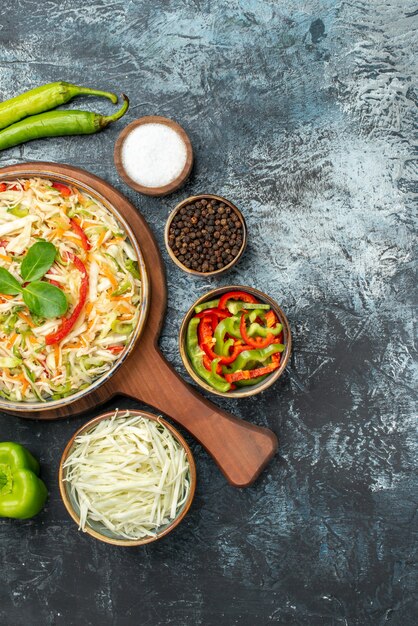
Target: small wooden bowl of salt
153 155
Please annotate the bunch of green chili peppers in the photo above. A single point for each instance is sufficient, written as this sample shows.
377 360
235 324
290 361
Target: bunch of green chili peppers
29 116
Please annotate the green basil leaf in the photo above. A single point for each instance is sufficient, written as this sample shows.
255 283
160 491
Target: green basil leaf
8 283
44 299
38 260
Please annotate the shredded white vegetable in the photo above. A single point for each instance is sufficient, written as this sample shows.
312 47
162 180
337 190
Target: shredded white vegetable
129 474
33 210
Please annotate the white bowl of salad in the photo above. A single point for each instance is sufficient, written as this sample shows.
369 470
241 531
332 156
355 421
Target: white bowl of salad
72 291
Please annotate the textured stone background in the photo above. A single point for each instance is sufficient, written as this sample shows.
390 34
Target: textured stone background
302 112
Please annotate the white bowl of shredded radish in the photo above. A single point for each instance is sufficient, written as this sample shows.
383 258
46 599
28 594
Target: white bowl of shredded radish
127 478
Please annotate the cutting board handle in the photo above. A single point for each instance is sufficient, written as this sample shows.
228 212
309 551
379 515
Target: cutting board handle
240 449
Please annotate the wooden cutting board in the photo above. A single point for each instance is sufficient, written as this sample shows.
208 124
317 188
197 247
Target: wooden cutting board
240 449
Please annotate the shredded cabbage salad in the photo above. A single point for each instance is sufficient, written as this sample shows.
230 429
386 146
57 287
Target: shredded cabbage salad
33 210
129 474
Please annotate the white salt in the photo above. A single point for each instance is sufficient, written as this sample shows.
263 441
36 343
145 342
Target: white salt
153 155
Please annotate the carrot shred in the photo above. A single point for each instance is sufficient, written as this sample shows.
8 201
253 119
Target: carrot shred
109 276
26 319
4 257
73 238
101 238
57 353
11 340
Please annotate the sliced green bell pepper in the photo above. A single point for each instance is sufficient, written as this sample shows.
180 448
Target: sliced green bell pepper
22 493
229 325
121 328
212 304
132 267
251 381
124 287
256 330
227 345
252 315
236 306
258 356
196 359
18 211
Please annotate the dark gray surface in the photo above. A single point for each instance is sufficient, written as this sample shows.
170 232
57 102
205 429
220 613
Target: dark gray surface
302 113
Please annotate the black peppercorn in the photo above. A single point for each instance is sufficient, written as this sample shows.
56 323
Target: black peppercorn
205 235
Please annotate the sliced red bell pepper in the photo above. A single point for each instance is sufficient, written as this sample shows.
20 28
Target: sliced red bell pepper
67 323
52 281
85 243
63 189
115 349
205 336
227 360
235 295
247 374
271 319
253 342
207 362
216 315
3 187
221 314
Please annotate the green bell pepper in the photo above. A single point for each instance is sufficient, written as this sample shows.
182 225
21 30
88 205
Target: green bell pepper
229 325
256 330
18 211
132 267
212 304
227 345
22 493
252 315
196 359
257 356
121 328
251 381
236 306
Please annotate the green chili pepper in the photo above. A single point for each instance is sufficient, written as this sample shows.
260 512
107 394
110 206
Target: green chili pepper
22 493
196 359
44 98
212 304
229 325
256 330
258 356
56 124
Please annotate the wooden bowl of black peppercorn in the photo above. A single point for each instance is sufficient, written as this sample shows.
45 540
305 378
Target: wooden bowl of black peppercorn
205 235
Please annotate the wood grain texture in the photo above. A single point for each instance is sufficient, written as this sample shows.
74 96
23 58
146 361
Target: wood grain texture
241 450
